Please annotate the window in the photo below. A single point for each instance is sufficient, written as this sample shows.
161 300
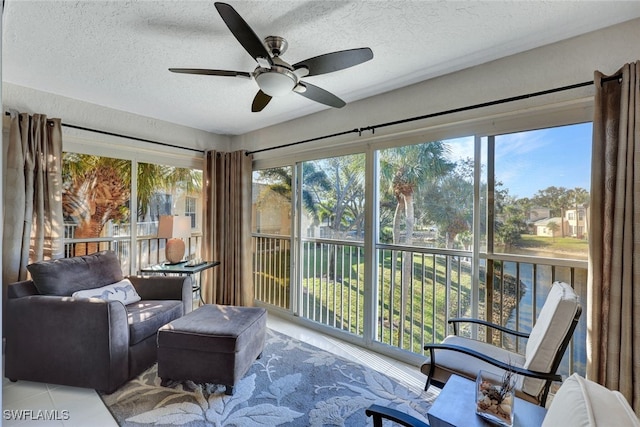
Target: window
548 170
426 194
271 225
475 226
425 200
95 204
191 209
332 232
99 213
166 190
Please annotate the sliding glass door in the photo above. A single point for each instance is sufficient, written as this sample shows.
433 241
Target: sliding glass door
386 245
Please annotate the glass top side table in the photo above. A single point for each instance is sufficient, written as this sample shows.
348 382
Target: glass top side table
181 268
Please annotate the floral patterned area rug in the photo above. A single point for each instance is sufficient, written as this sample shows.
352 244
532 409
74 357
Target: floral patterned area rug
293 384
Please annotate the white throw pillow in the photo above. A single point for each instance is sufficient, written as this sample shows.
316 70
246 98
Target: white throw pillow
122 291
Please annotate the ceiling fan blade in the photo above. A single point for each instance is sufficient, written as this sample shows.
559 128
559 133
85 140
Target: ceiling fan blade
207 72
260 101
243 32
317 94
330 62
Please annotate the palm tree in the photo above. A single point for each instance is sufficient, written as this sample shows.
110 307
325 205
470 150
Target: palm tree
406 169
97 189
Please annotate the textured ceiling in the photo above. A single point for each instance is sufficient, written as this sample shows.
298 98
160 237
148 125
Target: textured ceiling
116 53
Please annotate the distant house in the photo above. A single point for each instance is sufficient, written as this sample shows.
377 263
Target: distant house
271 211
576 220
541 227
536 214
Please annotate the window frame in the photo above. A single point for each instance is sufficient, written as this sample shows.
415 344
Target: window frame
481 123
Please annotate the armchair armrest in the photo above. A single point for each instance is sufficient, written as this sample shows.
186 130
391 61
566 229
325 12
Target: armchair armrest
455 322
63 340
547 376
379 412
165 288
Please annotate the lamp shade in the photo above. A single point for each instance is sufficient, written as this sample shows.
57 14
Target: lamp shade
174 229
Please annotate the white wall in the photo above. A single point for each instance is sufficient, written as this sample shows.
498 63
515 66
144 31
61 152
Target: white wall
564 63
79 113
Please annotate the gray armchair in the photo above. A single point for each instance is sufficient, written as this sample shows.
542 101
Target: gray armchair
536 369
56 338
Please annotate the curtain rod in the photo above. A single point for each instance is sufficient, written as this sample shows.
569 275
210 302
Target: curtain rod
366 128
165 144
442 113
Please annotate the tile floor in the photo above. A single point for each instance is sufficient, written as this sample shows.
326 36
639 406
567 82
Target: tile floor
84 408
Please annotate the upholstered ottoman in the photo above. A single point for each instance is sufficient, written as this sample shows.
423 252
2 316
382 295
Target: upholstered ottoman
212 344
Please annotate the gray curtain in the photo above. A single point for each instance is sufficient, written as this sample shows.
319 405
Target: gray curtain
227 230
613 310
32 222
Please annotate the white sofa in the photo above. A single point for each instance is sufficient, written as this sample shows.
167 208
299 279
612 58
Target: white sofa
580 402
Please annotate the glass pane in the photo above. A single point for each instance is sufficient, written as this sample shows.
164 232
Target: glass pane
167 190
542 192
425 201
272 201
95 202
426 194
332 235
333 198
271 227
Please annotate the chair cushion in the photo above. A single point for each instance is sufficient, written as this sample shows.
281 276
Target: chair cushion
453 362
580 402
122 291
147 316
551 327
64 276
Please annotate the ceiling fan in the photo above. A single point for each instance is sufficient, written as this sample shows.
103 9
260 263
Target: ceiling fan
274 76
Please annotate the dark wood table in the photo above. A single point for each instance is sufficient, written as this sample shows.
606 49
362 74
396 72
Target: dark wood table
456 407
181 268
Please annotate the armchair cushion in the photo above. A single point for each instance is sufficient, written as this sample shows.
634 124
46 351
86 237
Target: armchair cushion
551 327
146 317
64 276
122 291
461 364
580 402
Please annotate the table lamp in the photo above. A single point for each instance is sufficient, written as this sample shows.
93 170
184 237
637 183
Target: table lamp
174 229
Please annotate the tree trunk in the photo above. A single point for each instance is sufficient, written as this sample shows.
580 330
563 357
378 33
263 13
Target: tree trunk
92 200
407 261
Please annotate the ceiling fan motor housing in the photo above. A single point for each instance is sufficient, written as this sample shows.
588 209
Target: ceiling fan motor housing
276 45
275 81
278 80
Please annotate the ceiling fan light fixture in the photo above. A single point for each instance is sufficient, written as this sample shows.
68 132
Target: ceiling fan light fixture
275 83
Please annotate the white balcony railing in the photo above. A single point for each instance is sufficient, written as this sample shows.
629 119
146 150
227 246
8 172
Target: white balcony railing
418 290
149 250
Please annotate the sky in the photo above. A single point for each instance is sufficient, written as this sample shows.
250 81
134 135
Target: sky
534 160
